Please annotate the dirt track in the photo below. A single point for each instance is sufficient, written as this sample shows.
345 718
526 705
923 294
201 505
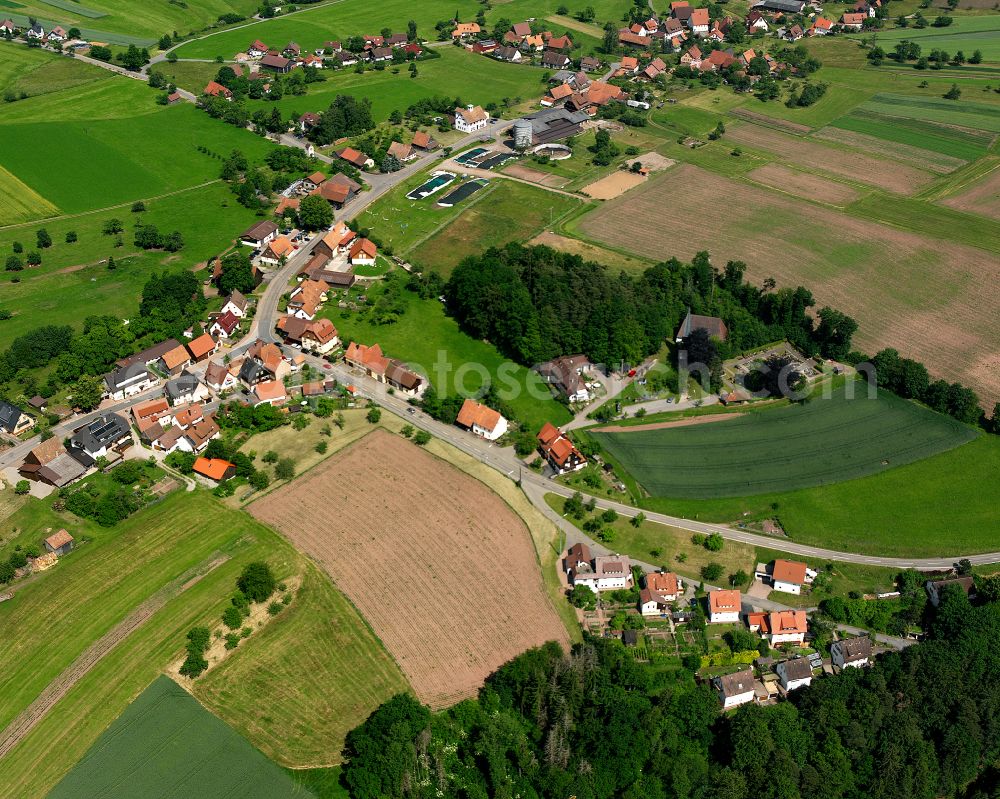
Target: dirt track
440 567
90 657
614 185
687 422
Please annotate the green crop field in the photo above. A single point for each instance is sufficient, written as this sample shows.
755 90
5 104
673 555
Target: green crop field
967 114
337 20
511 212
166 745
457 74
424 335
965 33
945 139
35 71
824 441
106 578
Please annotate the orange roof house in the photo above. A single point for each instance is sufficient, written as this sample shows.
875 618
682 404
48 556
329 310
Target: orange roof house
216 469
789 571
279 248
724 606
201 347
558 450
481 420
175 359
217 90
465 29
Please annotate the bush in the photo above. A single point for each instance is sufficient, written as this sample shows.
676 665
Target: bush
232 617
583 597
285 469
18 559
274 608
232 640
256 581
610 516
714 543
421 437
712 572
374 415
270 456
22 487
321 447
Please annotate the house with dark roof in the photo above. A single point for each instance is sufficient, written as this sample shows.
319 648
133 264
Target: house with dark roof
260 234
735 689
120 384
794 673
935 588
784 6
13 420
554 59
184 389
565 375
276 63
107 432
577 559
851 652
224 326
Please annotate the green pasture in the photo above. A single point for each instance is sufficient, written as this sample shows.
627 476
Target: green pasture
73 281
424 336
165 745
337 20
18 202
457 74
118 160
36 71
944 505
964 113
820 442
966 33
511 212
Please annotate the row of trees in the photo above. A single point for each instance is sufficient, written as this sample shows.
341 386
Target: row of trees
919 724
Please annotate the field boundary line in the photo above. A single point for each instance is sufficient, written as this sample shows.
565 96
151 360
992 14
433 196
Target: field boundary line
110 207
25 721
946 192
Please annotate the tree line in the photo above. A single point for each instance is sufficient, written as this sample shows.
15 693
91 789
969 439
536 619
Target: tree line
597 724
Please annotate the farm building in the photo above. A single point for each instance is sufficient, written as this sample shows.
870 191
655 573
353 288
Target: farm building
59 543
385 370
216 469
471 118
50 463
202 347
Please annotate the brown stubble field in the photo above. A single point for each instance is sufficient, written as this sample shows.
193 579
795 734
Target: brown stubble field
923 296
811 155
982 197
440 567
804 184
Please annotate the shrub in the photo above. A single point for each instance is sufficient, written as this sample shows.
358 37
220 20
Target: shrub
232 617
374 415
421 437
285 469
714 543
274 608
232 640
712 572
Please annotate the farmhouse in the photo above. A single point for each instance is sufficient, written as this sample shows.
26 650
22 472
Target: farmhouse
214 89
509 54
276 63
821 26
783 6
724 606
150 355
852 21
260 234
278 250
481 420
967 584
661 589
553 59
8 26
403 152
320 337
590 63
607 573
105 433
306 299
373 363
714 326
36 31
553 124
363 252
794 673
13 420
564 374
465 29
237 304
735 689
50 463
471 118
59 543
851 652
756 21
355 158
257 49
423 141
121 384
215 469
561 454
338 190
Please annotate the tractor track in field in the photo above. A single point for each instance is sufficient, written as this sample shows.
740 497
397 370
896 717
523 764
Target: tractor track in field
25 721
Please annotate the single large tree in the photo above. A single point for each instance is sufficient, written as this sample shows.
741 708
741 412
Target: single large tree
315 213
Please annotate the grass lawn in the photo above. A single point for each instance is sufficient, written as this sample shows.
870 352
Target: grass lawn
511 212
669 547
837 579
340 20
165 731
428 339
456 74
820 442
103 581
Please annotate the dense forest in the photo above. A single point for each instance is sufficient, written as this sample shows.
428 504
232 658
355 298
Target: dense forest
535 303
596 724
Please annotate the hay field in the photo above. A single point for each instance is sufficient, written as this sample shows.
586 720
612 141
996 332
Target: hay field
440 567
982 197
920 295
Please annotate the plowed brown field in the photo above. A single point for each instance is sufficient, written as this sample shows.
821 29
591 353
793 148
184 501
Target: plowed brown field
811 155
921 295
442 569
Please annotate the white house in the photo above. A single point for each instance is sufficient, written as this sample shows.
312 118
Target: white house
36 31
236 304
128 381
851 652
219 378
320 337
794 673
184 389
260 234
57 34
481 420
224 326
471 118
609 573
257 50
735 689
788 576
787 627
724 606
